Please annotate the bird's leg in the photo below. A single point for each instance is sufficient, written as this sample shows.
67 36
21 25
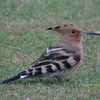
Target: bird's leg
60 79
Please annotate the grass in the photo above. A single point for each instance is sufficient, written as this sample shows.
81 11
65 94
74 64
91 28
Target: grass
23 39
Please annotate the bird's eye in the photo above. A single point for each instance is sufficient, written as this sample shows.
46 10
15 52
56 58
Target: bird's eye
73 31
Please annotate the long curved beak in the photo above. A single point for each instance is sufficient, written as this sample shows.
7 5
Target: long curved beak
91 33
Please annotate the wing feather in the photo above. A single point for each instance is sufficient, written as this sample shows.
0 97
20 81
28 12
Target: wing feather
52 60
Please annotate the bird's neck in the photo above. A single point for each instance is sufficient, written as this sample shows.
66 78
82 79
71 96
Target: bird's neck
71 39
75 46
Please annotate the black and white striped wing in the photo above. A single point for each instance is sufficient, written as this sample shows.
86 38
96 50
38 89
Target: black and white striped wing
52 60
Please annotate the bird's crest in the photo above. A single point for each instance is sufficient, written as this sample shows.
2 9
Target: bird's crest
63 28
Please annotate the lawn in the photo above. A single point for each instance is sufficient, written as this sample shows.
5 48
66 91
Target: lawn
23 38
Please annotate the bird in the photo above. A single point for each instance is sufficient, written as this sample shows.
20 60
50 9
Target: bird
61 58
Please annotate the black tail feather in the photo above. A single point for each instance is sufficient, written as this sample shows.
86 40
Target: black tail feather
18 76
11 79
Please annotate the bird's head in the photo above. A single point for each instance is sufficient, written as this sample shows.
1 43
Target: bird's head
71 32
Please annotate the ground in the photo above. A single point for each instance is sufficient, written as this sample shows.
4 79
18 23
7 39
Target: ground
23 38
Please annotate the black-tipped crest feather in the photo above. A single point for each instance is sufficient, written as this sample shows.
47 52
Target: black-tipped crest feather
49 28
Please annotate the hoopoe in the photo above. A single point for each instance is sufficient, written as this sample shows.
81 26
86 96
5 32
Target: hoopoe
60 59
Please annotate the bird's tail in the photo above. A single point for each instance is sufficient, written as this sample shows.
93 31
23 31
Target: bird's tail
18 76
